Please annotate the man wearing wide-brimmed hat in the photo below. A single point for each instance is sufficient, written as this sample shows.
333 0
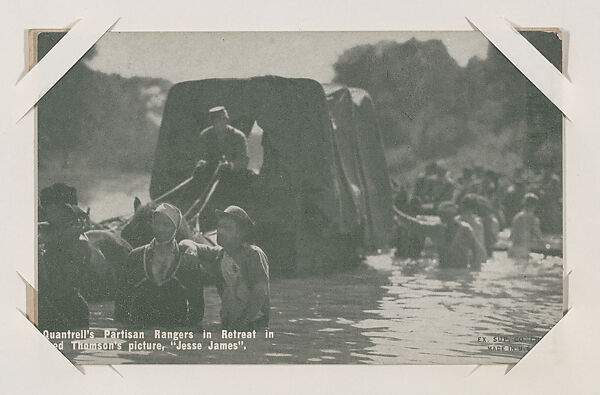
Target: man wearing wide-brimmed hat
241 271
53 202
62 259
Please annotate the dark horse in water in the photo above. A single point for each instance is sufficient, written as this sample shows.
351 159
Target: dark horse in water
105 251
108 254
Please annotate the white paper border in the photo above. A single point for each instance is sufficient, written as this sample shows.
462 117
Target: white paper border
564 360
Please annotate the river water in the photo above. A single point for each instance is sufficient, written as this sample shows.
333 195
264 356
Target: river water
385 311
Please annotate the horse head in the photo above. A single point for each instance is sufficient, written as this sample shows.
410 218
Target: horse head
138 230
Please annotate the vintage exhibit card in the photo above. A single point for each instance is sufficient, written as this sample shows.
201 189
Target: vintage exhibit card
296 198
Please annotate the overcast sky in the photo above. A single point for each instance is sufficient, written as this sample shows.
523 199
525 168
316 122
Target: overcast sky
191 56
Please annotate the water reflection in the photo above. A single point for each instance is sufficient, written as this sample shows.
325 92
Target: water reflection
435 315
387 311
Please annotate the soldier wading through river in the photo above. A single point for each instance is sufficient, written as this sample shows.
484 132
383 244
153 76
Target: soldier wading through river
165 278
160 290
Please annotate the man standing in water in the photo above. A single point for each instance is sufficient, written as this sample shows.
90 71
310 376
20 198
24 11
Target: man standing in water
64 260
241 271
525 230
455 240
467 213
160 290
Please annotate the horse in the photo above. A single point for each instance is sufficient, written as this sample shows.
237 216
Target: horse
108 256
104 254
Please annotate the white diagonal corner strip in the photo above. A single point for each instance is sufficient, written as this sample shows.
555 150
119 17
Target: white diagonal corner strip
34 85
547 78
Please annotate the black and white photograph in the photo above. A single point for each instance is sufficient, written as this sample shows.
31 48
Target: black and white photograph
348 197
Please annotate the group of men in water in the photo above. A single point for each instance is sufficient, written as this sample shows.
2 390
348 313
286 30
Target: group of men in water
165 278
161 283
473 209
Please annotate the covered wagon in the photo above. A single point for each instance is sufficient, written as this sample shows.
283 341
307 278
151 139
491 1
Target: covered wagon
302 198
359 147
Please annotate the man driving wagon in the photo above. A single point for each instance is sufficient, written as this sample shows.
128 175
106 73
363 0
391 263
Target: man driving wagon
222 143
223 157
